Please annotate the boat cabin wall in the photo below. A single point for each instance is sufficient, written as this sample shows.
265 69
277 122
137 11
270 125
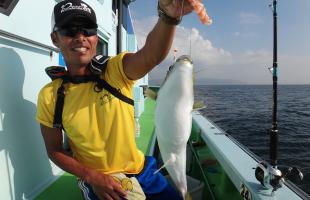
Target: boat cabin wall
25 51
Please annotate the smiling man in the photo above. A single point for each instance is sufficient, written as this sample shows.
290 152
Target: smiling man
98 120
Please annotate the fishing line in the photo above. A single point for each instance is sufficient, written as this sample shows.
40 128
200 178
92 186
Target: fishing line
182 7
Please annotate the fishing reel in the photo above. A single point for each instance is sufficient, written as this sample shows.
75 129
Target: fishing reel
272 178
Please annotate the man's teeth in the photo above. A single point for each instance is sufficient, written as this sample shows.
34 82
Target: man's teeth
81 49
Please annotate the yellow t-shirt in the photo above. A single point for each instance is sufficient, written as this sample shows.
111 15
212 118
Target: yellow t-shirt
99 126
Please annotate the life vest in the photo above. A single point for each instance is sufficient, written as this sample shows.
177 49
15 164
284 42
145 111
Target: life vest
97 67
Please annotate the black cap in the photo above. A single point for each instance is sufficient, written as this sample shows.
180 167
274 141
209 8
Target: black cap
67 11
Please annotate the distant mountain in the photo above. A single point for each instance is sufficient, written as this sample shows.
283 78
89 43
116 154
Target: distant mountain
218 82
156 82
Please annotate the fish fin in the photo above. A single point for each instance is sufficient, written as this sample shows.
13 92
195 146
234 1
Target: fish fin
150 93
162 167
171 160
188 196
199 105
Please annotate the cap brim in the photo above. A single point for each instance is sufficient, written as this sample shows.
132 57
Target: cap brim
71 18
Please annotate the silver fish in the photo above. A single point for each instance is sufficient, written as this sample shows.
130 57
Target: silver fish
173 119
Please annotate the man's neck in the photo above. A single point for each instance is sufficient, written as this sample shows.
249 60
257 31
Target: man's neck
78 71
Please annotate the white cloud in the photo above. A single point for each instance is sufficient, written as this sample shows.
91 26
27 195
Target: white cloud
237 34
245 34
142 28
249 18
186 41
218 63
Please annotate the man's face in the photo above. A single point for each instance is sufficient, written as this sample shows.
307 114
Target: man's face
77 44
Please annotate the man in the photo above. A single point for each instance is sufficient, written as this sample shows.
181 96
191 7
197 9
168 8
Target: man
99 126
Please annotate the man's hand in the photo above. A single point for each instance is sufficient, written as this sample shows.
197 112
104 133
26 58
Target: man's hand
173 8
106 187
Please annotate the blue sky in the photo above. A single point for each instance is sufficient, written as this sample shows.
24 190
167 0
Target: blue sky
237 47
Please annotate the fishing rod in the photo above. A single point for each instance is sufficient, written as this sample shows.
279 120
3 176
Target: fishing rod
274 128
268 174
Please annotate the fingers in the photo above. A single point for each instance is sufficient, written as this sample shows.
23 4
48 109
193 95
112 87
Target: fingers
119 190
114 195
176 8
106 197
113 192
165 2
187 7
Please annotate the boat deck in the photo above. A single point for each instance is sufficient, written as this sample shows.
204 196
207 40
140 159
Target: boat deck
217 169
65 187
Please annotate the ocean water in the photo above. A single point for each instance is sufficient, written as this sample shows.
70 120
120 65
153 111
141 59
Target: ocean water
245 112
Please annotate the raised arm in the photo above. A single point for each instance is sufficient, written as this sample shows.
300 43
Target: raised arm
158 41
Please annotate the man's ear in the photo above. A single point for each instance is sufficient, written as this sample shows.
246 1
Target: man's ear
54 39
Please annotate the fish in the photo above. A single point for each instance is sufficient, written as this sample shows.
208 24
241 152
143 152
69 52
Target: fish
173 119
201 11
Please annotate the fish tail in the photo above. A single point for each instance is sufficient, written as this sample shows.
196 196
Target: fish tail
188 196
150 93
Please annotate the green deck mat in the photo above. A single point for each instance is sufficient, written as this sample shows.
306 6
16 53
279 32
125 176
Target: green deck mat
146 126
64 188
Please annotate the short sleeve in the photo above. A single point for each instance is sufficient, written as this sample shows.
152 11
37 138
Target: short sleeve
115 72
45 106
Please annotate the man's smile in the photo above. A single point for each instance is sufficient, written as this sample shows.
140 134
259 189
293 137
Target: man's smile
80 49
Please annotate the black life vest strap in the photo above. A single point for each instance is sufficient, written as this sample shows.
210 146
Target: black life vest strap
57 123
97 67
100 84
103 84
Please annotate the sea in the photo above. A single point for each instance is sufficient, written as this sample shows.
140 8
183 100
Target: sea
245 112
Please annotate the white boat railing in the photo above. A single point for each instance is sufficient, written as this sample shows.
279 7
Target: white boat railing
239 163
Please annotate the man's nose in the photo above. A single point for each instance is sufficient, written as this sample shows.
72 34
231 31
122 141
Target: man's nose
80 36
